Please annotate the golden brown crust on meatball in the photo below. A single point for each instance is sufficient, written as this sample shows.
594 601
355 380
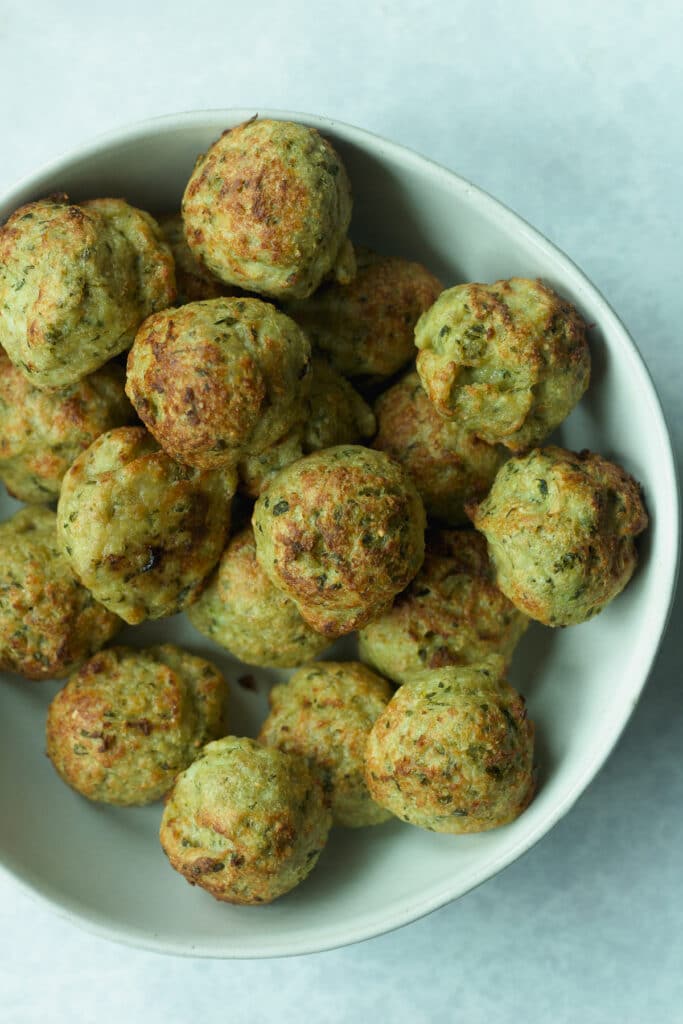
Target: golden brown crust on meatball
341 532
129 721
49 624
75 283
194 282
508 360
214 381
267 208
449 465
365 328
139 530
560 529
453 751
42 432
325 713
451 614
245 822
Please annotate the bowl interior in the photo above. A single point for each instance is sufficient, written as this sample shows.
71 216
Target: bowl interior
104 866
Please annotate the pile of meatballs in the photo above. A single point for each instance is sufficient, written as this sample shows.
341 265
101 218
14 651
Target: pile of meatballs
355 420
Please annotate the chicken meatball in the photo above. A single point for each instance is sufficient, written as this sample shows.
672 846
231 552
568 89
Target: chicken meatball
141 532
75 283
49 623
245 822
560 529
128 721
341 532
508 361
267 209
325 713
193 281
453 752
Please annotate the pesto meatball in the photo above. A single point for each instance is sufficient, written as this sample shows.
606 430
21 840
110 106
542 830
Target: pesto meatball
49 623
193 281
267 208
128 721
241 609
325 713
509 361
245 822
453 752
341 532
449 465
451 614
365 328
217 380
75 283
42 432
560 529
141 532
256 471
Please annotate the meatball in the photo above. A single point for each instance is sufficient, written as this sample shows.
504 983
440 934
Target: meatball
256 471
451 614
365 328
245 822
75 283
128 721
453 752
193 281
214 381
325 713
42 432
449 465
560 529
141 532
267 209
509 361
341 532
49 624
242 610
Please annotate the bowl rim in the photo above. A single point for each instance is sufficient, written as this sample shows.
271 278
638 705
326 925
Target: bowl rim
410 909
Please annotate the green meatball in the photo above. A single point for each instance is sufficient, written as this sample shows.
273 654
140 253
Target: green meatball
193 281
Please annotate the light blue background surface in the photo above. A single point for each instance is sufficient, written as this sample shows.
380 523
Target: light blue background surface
570 114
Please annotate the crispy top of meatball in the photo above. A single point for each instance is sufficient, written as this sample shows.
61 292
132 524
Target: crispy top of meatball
193 281
75 283
341 532
245 821
453 751
325 713
214 381
449 465
451 614
42 432
49 624
242 610
508 360
129 721
267 208
365 328
560 528
139 530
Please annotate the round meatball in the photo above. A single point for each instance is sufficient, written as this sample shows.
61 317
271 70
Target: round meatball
256 471
341 532
509 361
560 528
451 614
49 624
216 380
128 721
267 208
365 328
193 281
241 609
245 822
449 465
325 713
75 283
141 532
42 432
453 752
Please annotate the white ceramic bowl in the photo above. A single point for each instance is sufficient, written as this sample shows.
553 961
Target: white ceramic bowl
103 867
